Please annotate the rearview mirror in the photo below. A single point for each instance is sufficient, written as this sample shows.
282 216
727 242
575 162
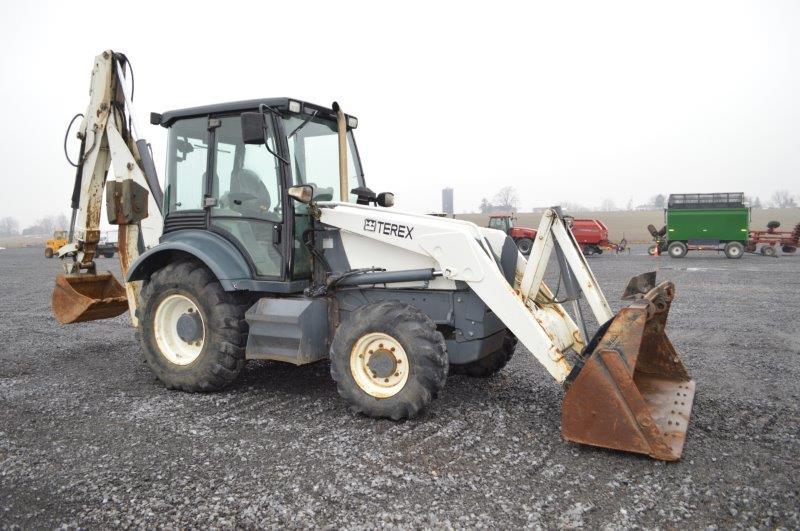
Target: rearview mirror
253 127
385 199
303 193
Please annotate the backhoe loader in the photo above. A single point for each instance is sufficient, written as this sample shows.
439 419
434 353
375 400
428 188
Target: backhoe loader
274 248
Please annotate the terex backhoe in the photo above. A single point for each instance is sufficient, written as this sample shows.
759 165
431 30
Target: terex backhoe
274 248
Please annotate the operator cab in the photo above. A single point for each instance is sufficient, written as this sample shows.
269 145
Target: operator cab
503 223
216 181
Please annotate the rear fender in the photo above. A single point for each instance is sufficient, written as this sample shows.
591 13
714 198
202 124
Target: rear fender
220 256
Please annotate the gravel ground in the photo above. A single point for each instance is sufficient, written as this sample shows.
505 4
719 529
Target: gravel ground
89 438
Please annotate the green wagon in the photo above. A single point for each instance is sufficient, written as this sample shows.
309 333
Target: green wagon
718 222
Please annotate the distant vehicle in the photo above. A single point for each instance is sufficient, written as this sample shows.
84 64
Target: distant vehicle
52 245
772 238
703 222
522 236
106 247
592 236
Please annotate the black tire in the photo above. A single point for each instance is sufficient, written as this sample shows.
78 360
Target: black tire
773 224
423 346
588 250
224 328
491 364
109 255
769 250
48 252
598 250
734 250
652 249
677 249
525 245
789 249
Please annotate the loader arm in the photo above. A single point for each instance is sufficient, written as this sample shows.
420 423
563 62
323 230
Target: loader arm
463 253
107 132
627 389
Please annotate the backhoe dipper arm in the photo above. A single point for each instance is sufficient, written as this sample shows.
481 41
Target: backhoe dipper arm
107 140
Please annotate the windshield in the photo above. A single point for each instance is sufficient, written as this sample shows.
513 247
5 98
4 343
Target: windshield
314 154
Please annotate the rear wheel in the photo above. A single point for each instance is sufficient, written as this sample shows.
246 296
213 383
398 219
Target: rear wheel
652 249
734 250
193 332
48 252
788 249
677 249
525 245
491 364
388 360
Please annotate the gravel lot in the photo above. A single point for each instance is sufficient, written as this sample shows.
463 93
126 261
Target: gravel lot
89 438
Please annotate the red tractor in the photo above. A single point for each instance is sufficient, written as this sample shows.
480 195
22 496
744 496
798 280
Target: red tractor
522 236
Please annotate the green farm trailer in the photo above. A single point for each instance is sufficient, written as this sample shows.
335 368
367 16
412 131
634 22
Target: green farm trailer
701 222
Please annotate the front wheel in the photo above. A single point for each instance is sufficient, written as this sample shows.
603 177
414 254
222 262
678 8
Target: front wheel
525 245
652 250
734 250
769 250
388 360
48 252
193 332
677 249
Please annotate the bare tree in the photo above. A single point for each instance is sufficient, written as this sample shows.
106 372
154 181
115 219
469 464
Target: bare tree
507 198
782 199
485 206
608 205
659 201
9 226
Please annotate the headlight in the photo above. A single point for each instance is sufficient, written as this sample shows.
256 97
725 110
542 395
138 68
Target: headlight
294 106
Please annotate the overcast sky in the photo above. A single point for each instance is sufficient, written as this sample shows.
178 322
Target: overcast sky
566 101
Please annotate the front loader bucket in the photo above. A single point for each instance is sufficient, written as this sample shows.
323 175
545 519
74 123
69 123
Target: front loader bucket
632 393
88 297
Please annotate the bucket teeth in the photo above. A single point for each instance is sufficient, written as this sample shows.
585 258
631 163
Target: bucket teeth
88 297
633 392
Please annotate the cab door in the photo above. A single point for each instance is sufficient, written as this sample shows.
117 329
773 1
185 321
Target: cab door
246 197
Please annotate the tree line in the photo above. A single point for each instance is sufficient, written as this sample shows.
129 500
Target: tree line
43 226
507 200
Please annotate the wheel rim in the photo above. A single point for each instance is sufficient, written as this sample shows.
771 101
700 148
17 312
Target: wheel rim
176 344
524 247
734 251
379 365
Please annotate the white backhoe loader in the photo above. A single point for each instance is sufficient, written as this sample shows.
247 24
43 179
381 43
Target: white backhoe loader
274 248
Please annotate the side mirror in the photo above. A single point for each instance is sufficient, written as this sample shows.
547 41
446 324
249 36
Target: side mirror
253 127
385 199
303 193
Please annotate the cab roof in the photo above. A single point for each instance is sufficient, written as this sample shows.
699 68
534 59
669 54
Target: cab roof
167 118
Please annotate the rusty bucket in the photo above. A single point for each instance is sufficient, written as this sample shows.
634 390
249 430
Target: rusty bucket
88 297
632 392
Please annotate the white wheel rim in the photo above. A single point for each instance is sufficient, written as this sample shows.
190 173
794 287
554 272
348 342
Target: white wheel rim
171 345
379 365
734 251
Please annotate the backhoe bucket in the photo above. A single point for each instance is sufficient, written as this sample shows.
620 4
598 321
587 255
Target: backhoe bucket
632 392
88 297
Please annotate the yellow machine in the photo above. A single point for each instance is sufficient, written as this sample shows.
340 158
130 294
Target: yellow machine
55 243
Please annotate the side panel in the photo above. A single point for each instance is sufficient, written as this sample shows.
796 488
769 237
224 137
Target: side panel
293 330
720 224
